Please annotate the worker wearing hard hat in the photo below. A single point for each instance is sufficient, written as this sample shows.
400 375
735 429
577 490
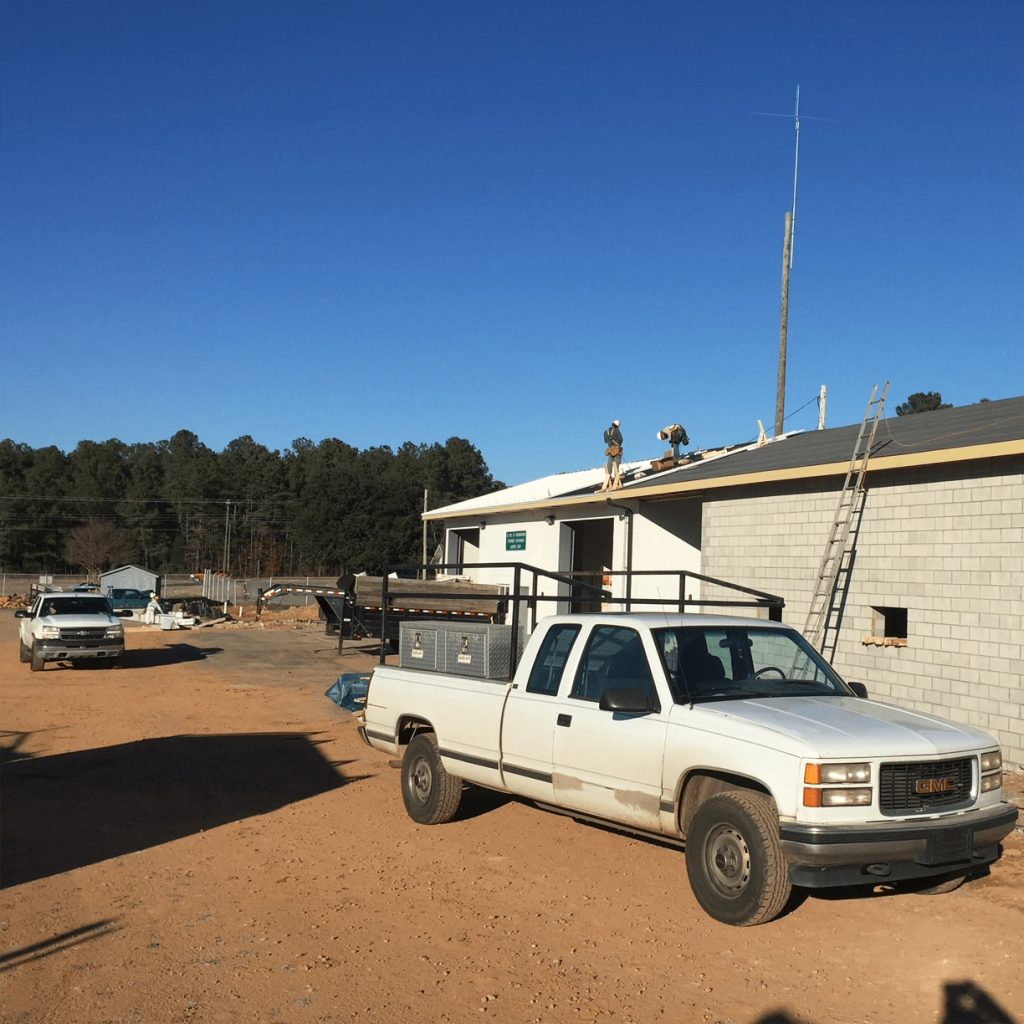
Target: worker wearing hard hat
676 435
613 455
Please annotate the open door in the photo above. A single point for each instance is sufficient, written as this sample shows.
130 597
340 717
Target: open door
591 557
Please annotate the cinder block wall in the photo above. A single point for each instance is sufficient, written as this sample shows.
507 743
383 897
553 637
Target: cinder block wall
946 543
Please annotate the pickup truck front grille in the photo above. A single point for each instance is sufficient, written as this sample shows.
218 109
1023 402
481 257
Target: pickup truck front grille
90 633
923 787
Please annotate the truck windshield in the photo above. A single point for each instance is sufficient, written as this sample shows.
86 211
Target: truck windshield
705 663
76 606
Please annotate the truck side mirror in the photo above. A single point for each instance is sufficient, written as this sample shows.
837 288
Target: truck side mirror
23 613
859 689
626 700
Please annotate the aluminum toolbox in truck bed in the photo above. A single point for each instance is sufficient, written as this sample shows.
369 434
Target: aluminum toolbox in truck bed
479 649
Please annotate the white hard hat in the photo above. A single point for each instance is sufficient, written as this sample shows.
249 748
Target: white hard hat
615 423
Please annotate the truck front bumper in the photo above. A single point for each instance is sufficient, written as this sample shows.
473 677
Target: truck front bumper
820 855
73 650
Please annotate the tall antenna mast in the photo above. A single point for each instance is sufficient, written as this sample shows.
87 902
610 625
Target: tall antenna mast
788 246
796 171
787 266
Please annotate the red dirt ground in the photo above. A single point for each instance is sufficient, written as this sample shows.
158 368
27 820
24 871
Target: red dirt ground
201 837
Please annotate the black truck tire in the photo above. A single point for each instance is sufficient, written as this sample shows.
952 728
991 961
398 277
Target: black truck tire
431 795
938 886
24 654
734 861
37 659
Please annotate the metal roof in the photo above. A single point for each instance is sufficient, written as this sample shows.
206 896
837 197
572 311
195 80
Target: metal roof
980 431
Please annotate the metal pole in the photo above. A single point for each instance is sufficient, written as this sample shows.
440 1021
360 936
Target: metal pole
426 496
822 396
796 168
227 513
514 653
780 390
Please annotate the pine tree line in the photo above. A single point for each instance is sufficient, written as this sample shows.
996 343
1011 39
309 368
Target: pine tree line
178 506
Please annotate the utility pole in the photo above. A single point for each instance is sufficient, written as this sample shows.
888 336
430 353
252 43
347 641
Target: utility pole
780 389
227 528
822 396
787 265
426 496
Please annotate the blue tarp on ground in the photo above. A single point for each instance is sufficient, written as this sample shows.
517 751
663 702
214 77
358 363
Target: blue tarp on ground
349 690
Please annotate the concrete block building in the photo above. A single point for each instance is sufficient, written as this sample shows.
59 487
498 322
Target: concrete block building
933 617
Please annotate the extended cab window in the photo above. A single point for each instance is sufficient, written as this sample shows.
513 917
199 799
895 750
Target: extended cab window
546 675
613 659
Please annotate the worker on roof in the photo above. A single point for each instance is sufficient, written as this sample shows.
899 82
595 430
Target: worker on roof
613 455
675 434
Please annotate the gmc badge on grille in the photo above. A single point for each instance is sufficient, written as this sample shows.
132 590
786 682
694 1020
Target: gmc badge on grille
925 786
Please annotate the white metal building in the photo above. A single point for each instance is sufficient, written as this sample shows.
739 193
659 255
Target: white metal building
934 614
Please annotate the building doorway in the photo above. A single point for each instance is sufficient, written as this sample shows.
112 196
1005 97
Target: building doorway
591 558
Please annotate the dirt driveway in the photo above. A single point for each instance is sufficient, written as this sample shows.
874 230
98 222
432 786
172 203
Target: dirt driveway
202 837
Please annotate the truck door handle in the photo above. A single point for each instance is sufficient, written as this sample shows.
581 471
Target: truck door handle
565 720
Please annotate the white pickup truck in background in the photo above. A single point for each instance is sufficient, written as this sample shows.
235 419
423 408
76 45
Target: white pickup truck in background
74 627
728 735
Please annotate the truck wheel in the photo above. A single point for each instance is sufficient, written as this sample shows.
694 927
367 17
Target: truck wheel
37 659
431 795
930 887
734 861
24 654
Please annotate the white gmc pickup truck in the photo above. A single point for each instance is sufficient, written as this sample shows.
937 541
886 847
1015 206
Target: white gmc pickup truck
728 735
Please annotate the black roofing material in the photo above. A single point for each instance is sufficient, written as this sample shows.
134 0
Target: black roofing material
938 430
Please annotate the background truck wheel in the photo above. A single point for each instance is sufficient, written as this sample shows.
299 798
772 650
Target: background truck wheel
933 887
431 795
733 859
24 654
38 662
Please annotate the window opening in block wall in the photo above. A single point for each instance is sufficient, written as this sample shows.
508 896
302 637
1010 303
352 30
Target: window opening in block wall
889 623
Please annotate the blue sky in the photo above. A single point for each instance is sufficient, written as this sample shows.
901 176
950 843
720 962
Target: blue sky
509 222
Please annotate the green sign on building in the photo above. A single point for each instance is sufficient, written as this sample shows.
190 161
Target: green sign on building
515 540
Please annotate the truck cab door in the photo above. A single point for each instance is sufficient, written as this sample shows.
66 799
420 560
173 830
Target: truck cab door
531 714
25 625
609 763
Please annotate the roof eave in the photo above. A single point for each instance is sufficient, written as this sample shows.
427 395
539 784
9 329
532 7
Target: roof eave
967 453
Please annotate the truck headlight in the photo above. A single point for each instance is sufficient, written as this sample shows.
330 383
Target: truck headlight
820 774
991 760
990 782
50 633
114 632
848 796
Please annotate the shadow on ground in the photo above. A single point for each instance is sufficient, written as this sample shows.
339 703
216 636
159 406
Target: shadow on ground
69 810
154 657
964 1002
56 944
170 654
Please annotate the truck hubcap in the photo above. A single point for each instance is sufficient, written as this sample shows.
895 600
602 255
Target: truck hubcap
728 860
422 780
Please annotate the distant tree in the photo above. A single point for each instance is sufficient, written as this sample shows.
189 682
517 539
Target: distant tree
922 401
175 505
97 544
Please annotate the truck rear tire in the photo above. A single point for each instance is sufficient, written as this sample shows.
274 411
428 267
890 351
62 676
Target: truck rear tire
734 861
431 795
37 659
